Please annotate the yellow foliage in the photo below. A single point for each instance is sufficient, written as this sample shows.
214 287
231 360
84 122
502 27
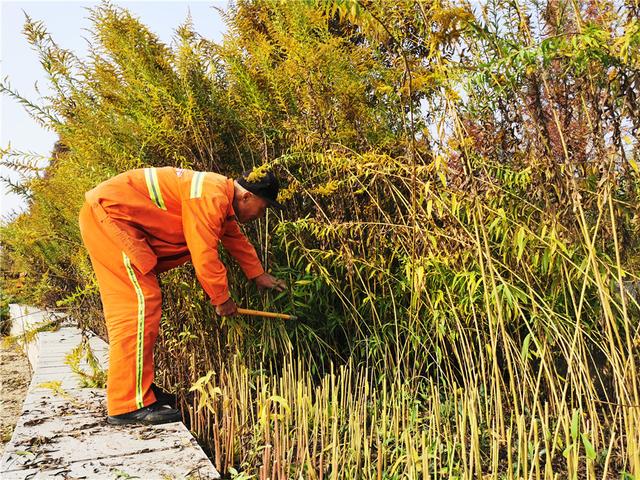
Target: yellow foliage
327 189
258 173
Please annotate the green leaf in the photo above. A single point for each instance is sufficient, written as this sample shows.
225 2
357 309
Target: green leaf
588 447
520 242
575 422
525 347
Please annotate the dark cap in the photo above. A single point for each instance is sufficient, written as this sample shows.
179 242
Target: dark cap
264 186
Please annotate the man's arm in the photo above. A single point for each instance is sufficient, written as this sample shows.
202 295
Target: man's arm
241 249
202 220
234 241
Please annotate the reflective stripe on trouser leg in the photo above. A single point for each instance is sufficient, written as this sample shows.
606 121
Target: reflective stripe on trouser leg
140 331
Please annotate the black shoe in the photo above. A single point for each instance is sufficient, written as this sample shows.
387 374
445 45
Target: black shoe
162 397
154 414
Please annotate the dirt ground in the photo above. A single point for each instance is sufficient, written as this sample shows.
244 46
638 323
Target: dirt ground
15 375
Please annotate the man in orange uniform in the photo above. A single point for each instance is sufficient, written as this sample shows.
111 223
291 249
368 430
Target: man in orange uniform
147 221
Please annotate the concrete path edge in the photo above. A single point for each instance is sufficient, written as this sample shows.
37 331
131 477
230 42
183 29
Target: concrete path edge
62 431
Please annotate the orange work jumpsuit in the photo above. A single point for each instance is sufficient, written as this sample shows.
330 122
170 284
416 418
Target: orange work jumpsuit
141 223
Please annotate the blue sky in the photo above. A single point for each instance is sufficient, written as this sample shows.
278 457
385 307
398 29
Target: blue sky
67 23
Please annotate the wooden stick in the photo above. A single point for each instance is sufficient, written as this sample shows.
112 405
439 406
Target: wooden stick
258 313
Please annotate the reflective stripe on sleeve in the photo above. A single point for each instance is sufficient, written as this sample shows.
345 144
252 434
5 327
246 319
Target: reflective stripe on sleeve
151 177
196 184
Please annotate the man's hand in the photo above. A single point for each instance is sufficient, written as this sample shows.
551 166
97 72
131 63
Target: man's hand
227 309
269 281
